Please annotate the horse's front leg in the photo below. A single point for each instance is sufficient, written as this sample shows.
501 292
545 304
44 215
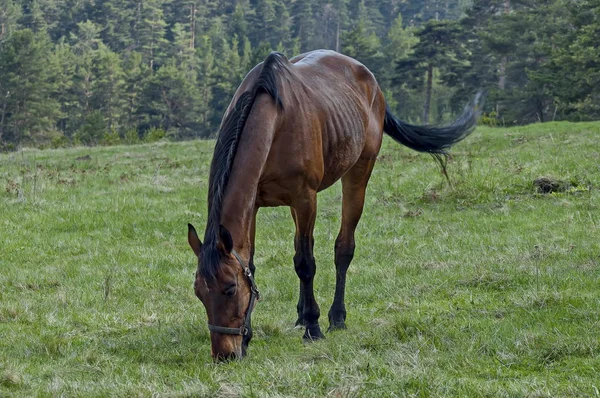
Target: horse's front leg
305 211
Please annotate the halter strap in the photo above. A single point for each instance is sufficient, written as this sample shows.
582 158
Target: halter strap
254 295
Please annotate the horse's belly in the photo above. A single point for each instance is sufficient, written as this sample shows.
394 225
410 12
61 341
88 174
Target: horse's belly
339 156
333 174
282 188
273 194
294 168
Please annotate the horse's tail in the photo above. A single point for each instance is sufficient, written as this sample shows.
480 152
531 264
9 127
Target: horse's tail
432 139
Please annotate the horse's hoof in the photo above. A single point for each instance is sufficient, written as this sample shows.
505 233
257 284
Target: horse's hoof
337 319
313 333
336 326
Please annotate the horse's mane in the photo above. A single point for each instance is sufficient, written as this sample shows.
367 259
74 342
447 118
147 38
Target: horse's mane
224 155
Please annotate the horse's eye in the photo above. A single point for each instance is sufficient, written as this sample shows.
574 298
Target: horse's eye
230 291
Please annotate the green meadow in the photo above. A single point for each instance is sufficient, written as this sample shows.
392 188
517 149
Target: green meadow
485 287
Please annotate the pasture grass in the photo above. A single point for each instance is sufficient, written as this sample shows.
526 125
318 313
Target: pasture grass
482 288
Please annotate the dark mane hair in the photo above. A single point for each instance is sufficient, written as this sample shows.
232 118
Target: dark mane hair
224 155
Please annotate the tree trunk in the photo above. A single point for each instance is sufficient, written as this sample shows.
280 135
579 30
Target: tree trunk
193 26
152 49
428 90
136 22
2 118
504 60
337 36
205 97
502 73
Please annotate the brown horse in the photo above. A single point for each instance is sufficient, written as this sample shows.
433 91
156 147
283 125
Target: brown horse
293 128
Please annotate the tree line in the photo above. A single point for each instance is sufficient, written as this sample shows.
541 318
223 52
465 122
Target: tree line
110 71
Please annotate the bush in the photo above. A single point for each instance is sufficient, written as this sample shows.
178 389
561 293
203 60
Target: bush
59 140
154 134
489 119
111 137
7 146
92 130
131 137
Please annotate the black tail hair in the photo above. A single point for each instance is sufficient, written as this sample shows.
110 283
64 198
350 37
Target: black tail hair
434 140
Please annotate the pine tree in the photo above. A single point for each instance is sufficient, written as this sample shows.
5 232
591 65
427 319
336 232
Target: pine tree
108 87
69 14
206 80
400 42
304 23
358 43
576 93
27 108
264 22
238 22
64 61
537 59
149 31
171 102
99 87
283 25
115 18
10 13
439 46
228 74
333 21
136 76
33 16
85 41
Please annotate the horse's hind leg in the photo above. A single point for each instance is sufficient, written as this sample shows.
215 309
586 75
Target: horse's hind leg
305 212
354 185
300 306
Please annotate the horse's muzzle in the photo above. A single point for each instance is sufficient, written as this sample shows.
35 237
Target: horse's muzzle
227 357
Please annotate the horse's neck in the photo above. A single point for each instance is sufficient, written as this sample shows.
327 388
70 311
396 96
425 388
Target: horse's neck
240 195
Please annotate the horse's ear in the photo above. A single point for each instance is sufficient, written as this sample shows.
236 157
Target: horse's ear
193 240
225 243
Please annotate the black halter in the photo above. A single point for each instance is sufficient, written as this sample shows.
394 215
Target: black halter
254 295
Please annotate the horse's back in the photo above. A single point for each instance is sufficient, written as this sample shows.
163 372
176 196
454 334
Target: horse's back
340 72
332 115
347 97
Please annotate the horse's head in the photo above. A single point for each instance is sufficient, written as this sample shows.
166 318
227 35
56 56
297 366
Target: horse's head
228 294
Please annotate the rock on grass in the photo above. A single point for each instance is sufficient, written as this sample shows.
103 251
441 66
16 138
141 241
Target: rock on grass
546 185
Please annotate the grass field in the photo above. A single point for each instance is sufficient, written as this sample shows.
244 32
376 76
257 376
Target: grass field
485 288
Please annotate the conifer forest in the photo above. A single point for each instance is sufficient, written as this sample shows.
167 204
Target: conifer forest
94 72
